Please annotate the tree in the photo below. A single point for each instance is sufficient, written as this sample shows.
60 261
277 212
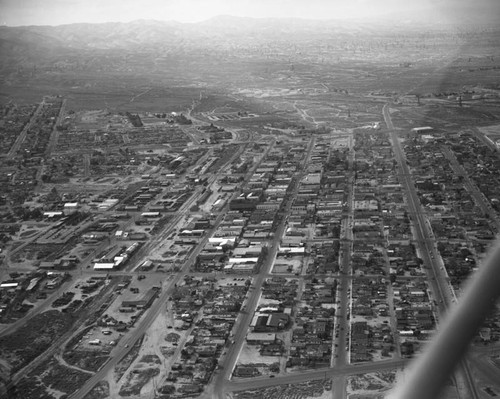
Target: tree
53 196
274 368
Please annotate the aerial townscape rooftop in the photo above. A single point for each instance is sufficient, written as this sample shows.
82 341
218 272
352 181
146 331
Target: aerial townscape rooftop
282 203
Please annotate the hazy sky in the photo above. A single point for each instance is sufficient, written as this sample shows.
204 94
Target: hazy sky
57 12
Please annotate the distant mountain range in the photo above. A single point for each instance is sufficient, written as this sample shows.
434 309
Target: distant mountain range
110 46
149 33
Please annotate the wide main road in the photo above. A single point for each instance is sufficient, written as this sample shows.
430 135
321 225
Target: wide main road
471 187
340 353
438 282
61 342
244 322
128 341
54 136
17 144
316 374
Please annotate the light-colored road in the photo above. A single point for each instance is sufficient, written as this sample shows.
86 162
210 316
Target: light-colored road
17 144
128 341
322 373
61 342
242 327
54 136
341 338
471 187
10 328
438 282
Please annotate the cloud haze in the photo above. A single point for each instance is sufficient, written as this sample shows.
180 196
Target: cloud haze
57 12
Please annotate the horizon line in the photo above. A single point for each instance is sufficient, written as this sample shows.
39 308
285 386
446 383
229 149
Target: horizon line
374 21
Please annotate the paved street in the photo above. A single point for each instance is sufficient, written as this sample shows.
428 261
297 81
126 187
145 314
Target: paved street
128 341
244 322
438 281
